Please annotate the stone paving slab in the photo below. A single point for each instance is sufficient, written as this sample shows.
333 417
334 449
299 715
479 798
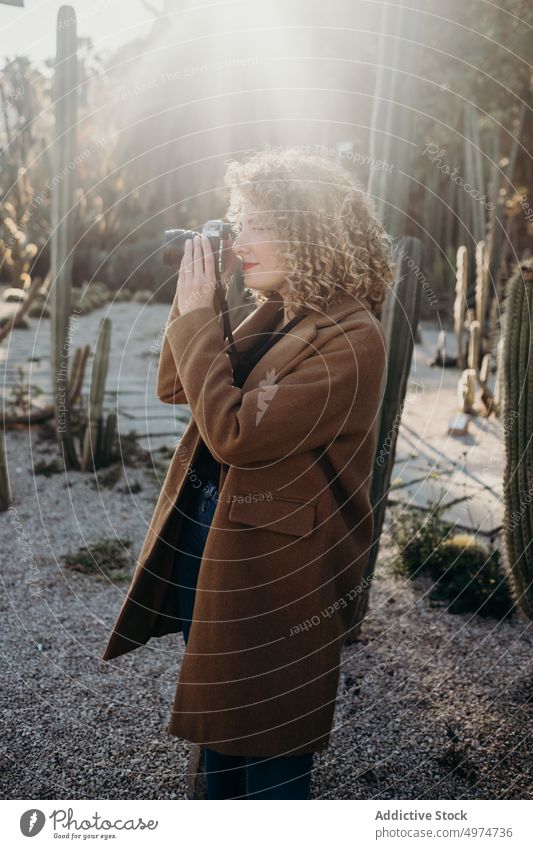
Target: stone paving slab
481 512
453 465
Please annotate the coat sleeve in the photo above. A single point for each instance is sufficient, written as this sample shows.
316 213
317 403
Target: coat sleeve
168 385
334 391
168 388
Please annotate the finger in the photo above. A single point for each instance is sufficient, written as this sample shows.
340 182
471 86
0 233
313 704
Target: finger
186 272
187 261
209 259
198 258
181 272
181 276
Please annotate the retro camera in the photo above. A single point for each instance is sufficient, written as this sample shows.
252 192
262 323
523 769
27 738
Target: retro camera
220 235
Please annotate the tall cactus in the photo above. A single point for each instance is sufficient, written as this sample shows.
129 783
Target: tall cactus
391 139
466 390
499 385
400 320
499 225
518 419
107 441
482 283
62 238
475 221
459 307
5 492
474 345
92 442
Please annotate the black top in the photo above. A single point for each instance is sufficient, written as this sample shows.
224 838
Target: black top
206 467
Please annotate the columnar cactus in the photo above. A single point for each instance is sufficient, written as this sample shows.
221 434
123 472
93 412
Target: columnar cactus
474 345
466 390
107 441
392 116
483 375
482 283
499 385
93 434
498 228
5 492
77 372
473 165
459 307
62 239
518 431
400 320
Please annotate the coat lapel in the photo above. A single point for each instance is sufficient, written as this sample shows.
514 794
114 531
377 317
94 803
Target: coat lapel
262 319
291 345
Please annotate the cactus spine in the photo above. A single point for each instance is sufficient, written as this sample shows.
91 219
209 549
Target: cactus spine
62 240
518 407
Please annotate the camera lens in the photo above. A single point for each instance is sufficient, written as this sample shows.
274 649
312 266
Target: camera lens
174 246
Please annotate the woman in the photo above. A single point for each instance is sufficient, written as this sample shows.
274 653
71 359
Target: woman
261 533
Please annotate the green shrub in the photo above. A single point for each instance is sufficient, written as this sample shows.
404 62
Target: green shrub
467 574
54 467
106 558
108 477
418 536
129 452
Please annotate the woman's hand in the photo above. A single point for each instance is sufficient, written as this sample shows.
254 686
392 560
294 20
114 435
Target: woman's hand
196 279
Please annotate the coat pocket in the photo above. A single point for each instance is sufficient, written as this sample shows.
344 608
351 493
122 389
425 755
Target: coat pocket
291 516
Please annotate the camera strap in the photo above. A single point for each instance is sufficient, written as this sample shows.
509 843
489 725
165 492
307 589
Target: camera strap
223 304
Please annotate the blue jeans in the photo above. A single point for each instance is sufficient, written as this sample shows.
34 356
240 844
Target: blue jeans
230 776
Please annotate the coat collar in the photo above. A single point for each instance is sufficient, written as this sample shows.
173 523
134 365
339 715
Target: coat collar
294 343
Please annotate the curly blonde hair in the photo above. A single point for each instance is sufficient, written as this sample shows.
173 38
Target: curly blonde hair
328 235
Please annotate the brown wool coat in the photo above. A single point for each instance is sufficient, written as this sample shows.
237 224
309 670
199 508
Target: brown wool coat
281 567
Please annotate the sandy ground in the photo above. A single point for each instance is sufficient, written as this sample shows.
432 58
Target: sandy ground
430 705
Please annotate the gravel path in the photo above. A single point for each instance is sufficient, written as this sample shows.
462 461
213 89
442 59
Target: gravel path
430 705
